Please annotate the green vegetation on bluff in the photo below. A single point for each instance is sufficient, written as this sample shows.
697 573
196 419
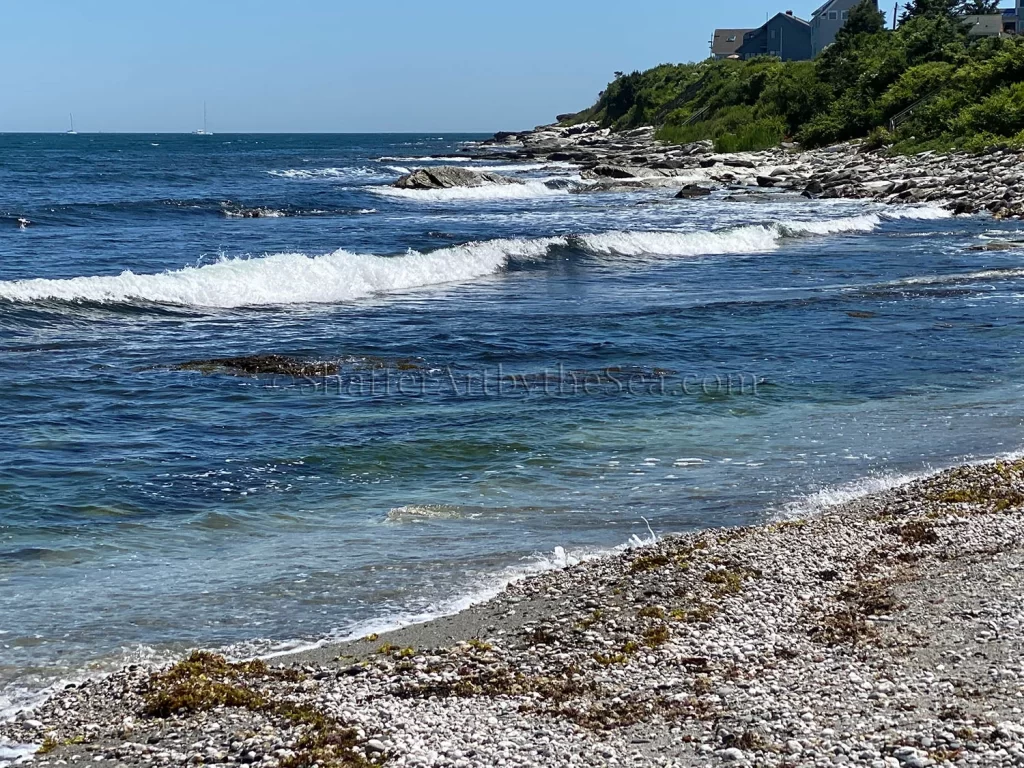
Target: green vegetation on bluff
960 92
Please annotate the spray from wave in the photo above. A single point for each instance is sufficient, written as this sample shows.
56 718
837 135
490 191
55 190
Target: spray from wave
297 278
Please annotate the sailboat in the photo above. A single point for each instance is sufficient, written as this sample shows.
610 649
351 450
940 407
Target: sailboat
72 132
202 131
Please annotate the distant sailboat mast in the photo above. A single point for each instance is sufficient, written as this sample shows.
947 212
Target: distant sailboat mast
72 132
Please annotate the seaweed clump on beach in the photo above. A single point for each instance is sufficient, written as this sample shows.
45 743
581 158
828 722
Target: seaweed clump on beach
852 625
206 681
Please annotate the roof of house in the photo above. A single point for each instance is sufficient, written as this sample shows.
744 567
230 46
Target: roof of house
792 17
829 5
822 9
726 41
989 24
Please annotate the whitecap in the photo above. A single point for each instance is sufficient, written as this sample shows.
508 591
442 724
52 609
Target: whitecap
531 189
286 278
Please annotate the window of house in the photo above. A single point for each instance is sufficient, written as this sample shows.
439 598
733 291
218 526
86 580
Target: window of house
846 15
773 34
833 15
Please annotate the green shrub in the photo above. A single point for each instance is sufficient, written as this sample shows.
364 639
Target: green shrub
965 93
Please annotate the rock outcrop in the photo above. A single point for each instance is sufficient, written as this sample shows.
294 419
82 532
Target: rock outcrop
635 159
447 176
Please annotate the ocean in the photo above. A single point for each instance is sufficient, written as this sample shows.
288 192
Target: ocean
527 375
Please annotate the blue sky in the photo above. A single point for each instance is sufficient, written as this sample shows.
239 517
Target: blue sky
336 65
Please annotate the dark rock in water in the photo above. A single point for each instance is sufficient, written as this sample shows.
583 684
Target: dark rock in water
239 212
862 315
766 181
709 162
505 136
616 172
998 245
813 188
736 162
446 177
282 365
963 207
692 190
254 365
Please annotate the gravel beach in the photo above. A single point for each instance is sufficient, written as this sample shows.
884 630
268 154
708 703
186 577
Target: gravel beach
884 632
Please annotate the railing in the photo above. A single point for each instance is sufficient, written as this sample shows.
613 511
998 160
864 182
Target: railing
896 120
696 116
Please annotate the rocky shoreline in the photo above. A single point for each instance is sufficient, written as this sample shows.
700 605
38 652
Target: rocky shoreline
637 160
882 632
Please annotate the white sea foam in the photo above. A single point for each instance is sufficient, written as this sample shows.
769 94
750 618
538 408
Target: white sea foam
833 496
12 753
287 278
739 240
326 173
1009 273
490 588
528 190
297 278
923 212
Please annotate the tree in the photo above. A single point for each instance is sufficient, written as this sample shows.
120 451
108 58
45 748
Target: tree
865 19
977 7
917 8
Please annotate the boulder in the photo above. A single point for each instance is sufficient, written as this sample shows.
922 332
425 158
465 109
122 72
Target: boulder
703 147
813 188
447 176
692 190
766 181
608 171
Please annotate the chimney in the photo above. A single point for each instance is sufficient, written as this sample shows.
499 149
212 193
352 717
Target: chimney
789 13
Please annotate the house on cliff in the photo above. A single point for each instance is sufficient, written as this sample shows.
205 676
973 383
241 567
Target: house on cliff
828 20
725 43
784 35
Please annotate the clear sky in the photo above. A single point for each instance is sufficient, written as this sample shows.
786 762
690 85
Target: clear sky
337 65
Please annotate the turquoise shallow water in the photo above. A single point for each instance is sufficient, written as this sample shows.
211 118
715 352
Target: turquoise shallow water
677 363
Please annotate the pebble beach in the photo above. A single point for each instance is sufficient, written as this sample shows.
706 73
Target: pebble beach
885 631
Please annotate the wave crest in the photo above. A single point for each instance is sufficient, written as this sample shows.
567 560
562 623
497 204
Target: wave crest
298 278
525 191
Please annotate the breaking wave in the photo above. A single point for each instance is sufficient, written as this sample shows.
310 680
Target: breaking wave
286 278
530 189
298 278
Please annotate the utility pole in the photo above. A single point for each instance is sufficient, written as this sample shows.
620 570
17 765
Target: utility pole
895 11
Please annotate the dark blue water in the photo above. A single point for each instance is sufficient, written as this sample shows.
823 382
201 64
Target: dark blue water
684 363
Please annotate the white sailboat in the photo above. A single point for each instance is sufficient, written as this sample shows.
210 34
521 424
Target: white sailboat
202 131
71 132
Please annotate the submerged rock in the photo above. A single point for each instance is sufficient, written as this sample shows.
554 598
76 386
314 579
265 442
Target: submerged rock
447 176
998 245
283 365
254 365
